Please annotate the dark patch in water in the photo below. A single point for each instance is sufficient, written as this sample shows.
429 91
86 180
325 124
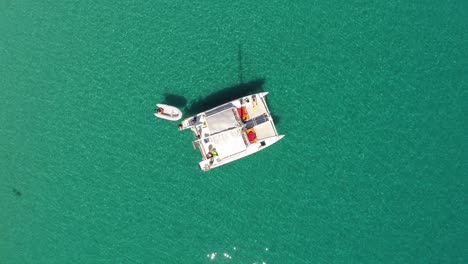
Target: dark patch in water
17 192
175 100
276 119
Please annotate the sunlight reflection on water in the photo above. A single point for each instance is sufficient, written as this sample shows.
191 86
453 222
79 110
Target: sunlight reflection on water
222 257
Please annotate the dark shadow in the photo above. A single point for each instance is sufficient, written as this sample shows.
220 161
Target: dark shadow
225 95
16 192
276 119
175 100
218 97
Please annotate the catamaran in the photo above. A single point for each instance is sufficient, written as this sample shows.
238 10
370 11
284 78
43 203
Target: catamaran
232 130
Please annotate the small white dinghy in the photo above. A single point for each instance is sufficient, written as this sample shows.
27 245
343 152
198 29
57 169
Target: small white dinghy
167 112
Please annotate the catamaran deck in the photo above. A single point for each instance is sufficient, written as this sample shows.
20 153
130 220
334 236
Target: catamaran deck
232 130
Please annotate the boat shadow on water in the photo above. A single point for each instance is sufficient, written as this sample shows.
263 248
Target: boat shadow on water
175 100
224 95
216 98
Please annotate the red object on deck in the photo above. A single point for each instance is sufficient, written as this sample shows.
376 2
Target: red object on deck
252 136
243 113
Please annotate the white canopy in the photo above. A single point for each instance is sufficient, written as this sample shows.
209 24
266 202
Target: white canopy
226 133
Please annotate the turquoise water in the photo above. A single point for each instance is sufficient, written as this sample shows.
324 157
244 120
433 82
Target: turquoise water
372 98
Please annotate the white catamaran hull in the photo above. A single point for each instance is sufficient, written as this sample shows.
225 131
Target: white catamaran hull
254 148
232 130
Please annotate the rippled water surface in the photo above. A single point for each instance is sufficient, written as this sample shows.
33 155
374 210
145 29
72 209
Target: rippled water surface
372 98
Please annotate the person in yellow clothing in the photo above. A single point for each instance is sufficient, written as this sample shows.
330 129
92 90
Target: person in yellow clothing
211 154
